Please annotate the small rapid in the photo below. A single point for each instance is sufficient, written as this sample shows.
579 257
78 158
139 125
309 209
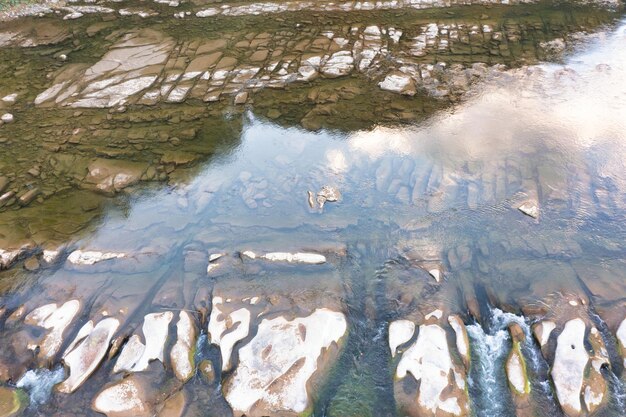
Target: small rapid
491 344
39 384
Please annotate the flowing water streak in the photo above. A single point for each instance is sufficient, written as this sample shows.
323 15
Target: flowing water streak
39 383
487 377
491 348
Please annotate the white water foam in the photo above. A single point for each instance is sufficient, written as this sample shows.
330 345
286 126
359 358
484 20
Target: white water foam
39 383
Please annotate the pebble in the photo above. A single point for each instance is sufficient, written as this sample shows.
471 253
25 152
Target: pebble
7 118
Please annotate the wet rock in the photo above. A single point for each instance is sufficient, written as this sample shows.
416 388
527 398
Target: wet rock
183 351
12 402
462 339
227 328
7 118
398 82
174 406
621 338
7 198
339 64
516 371
27 198
56 320
8 258
85 353
400 332
277 366
596 388
207 370
570 361
10 98
327 193
4 183
31 264
542 331
126 398
241 98
530 208
136 356
80 257
441 385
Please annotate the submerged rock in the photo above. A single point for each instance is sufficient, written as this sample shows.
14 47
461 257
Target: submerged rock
84 356
276 368
12 402
7 118
56 320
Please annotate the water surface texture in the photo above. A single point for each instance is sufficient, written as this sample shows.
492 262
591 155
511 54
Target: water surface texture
312 208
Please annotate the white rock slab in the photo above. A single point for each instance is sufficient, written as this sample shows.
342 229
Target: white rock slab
79 257
126 398
400 332
86 356
570 361
56 320
227 329
276 365
182 351
130 355
155 330
429 361
299 257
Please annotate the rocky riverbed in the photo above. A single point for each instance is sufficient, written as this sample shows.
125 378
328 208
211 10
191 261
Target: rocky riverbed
293 208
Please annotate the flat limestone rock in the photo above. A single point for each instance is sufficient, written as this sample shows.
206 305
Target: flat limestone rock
86 355
570 361
400 332
442 386
275 367
136 356
56 320
182 352
125 398
227 329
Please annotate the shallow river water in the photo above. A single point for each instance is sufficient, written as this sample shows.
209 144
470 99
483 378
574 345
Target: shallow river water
414 210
